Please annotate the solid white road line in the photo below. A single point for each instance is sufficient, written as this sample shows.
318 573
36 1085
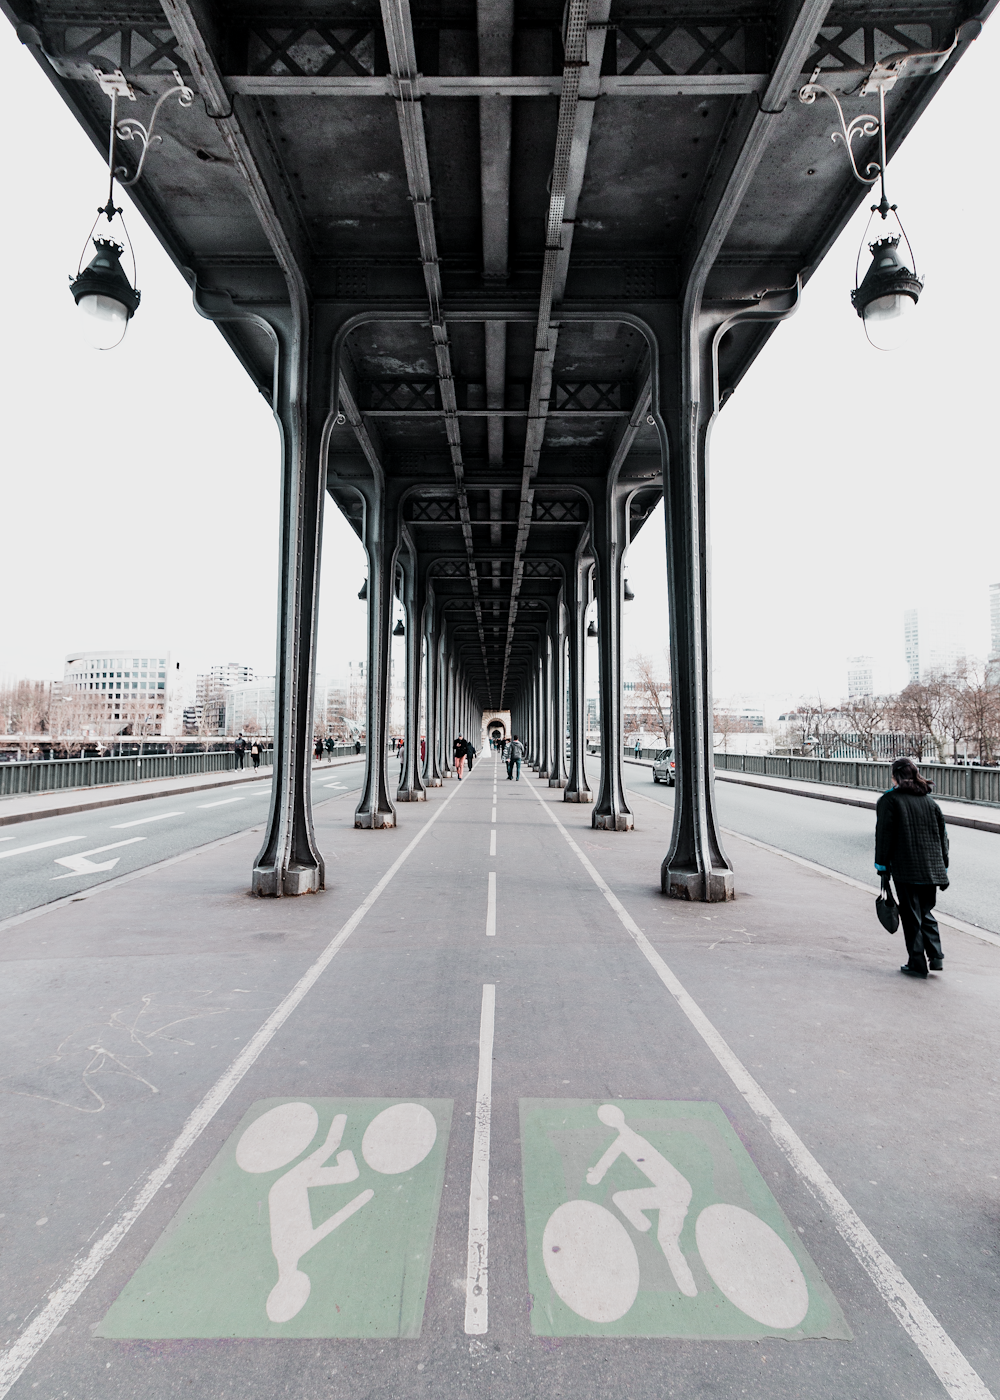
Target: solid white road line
22 1351
491 906
477 1273
955 1373
144 821
39 846
493 842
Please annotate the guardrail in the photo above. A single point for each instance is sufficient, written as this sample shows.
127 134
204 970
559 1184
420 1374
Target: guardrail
964 784
47 775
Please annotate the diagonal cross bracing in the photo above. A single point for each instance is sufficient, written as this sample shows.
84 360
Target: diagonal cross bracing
584 52
403 63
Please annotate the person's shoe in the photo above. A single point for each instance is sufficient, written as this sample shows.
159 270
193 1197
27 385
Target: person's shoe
937 966
912 971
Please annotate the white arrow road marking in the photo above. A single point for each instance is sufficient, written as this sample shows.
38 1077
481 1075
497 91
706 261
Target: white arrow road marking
121 826
39 845
80 865
340 785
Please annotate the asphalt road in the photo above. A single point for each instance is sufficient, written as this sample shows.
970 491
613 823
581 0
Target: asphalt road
57 856
843 838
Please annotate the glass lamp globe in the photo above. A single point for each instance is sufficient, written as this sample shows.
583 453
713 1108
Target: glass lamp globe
887 295
106 298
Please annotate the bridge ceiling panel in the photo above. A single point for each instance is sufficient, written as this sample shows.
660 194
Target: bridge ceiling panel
364 146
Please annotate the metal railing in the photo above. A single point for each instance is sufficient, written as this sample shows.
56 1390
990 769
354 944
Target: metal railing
964 784
47 775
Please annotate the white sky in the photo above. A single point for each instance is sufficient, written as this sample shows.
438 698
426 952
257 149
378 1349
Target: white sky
140 486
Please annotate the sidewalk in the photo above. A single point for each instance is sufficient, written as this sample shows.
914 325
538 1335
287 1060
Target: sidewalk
956 813
28 807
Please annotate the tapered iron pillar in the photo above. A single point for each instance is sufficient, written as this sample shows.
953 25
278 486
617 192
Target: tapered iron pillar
696 866
411 788
289 862
611 810
577 787
558 775
376 810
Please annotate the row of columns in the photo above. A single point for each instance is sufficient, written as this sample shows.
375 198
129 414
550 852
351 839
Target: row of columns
550 703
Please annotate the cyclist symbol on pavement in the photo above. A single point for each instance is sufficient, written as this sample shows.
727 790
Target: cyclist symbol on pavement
396 1140
670 1193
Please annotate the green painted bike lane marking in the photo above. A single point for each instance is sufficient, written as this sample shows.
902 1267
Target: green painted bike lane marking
649 1219
315 1219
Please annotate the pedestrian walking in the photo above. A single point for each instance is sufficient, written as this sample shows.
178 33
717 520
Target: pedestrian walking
357 746
515 753
423 747
459 753
470 752
255 754
329 746
240 748
911 847
318 750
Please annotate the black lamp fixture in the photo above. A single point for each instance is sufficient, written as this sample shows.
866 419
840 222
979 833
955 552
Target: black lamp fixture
363 591
890 287
627 593
592 629
107 298
399 630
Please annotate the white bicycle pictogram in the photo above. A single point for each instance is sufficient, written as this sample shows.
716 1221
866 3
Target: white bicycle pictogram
593 1265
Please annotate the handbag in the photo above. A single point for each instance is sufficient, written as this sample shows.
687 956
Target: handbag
886 907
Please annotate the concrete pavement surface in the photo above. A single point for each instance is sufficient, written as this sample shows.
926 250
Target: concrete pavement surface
843 838
55 857
489 1116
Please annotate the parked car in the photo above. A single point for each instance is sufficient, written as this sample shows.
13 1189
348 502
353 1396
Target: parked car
663 767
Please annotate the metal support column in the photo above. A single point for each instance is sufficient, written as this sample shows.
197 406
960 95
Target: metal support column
411 788
577 787
611 810
376 809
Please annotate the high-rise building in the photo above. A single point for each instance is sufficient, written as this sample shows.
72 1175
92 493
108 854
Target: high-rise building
110 692
860 677
217 678
911 645
994 620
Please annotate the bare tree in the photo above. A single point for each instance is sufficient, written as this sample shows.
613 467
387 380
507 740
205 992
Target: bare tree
654 692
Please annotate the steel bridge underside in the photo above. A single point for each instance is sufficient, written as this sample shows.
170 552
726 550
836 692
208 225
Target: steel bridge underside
496 268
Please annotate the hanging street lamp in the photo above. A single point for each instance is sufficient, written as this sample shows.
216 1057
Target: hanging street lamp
890 287
102 290
592 629
399 630
363 591
627 593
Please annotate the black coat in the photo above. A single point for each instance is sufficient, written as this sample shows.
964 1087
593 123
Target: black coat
911 839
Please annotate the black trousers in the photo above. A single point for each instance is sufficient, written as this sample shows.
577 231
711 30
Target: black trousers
916 914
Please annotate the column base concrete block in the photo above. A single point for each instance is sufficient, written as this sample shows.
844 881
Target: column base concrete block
411 795
557 782
575 795
374 821
270 883
715 887
432 782
613 821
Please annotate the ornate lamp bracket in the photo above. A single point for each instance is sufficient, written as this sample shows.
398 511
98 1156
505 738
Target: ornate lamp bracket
865 125
116 85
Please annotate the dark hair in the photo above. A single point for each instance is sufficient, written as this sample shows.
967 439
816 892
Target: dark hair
908 778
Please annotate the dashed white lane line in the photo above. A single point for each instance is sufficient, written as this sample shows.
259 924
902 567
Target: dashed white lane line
491 906
144 821
493 842
493 817
225 801
22 1351
39 846
950 1366
477 1272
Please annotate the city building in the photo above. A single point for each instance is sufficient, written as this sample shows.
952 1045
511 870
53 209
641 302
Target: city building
109 692
860 677
218 678
249 709
911 645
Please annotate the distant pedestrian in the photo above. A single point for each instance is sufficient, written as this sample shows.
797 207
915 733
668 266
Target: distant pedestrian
514 755
460 753
318 747
911 847
470 752
255 754
638 747
423 747
329 746
357 746
240 748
